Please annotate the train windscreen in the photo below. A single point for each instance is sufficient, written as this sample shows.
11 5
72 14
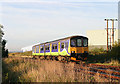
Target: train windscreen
73 43
85 42
79 42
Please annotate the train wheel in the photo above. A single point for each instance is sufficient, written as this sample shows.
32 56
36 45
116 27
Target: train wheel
63 59
59 58
68 59
53 58
33 57
50 57
47 57
36 57
42 58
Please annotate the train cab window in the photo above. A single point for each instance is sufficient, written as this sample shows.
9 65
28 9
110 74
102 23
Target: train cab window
62 45
79 42
66 44
73 42
85 42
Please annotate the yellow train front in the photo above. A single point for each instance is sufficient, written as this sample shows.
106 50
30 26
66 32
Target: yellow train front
79 48
70 48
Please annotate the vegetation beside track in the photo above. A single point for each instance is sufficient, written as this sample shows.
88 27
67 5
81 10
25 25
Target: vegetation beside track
100 56
35 70
19 54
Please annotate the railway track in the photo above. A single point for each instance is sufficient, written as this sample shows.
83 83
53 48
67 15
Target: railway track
106 71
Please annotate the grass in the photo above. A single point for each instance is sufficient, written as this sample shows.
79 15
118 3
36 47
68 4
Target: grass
29 70
18 54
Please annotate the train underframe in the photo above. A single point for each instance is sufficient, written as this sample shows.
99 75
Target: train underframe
72 57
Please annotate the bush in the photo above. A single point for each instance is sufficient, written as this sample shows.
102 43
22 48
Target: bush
115 52
98 55
27 53
97 51
17 54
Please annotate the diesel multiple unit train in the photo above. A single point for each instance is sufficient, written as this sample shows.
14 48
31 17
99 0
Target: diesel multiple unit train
69 48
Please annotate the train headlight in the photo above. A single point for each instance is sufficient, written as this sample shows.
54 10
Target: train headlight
72 51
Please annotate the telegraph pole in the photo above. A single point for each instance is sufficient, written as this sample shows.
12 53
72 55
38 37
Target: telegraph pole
113 30
109 33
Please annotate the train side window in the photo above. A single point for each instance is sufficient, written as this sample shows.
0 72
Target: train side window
33 49
48 47
37 48
66 44
45 47
62 45
41 48
55 46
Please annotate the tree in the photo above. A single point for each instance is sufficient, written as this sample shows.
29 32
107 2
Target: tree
4 51
3 43
1 32
3 48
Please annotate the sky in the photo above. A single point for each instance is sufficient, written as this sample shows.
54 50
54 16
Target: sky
27 22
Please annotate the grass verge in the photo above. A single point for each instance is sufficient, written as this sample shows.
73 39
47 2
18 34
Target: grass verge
29 70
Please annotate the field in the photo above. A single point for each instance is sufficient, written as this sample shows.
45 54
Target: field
22 69
35 70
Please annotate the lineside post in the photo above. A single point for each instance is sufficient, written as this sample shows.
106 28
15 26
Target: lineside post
107 33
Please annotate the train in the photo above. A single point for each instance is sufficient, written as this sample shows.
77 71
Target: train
73 48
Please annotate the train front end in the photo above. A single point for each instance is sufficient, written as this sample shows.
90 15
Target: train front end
79 48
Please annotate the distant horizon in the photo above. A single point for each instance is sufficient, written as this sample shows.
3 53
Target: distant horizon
14 51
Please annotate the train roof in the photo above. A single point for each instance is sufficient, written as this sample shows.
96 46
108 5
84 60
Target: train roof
61 39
